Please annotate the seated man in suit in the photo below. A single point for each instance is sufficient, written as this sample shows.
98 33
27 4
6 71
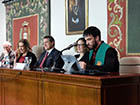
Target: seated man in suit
101 56
8 55
51 56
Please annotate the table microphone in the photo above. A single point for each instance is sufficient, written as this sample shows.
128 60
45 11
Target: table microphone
70 46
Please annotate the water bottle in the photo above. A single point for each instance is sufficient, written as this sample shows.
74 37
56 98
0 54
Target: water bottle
26 61
7 62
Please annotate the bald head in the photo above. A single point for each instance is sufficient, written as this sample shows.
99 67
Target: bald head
7 46
6 43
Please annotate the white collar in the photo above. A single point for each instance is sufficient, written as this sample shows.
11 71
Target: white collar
49 51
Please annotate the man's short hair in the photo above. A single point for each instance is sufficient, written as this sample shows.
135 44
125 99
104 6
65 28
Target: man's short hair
51 39
94 31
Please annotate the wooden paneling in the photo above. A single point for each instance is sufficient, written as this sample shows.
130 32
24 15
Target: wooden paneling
44 88
70 95
0 91
20 90
121 95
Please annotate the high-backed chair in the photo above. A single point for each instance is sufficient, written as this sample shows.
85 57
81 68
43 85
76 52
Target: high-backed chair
130 64
37 50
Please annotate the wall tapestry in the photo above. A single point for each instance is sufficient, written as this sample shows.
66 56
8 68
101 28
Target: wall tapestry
28 19
133 28
117 25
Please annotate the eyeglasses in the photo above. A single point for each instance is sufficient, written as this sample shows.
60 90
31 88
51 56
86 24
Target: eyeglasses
80 45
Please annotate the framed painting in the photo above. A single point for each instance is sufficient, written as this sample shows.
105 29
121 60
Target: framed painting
76 14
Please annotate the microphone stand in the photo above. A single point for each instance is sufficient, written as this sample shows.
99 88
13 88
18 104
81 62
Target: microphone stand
66 49
69 47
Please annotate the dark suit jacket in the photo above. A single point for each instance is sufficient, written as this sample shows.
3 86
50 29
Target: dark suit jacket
84 58
53 57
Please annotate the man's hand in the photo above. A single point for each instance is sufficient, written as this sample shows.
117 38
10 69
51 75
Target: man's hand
5 53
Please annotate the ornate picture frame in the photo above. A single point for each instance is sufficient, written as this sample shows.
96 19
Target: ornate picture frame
76 16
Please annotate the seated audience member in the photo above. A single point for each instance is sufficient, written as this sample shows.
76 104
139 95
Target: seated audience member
24 51
101 56
51 56
7 55
82 49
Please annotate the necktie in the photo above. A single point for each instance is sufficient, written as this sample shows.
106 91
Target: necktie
43 60
94 55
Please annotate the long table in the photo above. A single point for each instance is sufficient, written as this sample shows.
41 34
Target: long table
47 88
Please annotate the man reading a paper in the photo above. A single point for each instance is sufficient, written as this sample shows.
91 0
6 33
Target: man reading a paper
101 56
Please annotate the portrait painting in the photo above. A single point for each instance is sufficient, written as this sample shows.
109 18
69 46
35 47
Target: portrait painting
76 16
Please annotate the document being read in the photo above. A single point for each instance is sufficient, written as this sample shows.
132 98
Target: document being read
70 63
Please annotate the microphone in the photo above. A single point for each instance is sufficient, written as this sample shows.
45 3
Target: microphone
70 46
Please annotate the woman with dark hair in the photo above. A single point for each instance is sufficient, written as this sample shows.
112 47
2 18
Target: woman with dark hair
82 49
24 51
